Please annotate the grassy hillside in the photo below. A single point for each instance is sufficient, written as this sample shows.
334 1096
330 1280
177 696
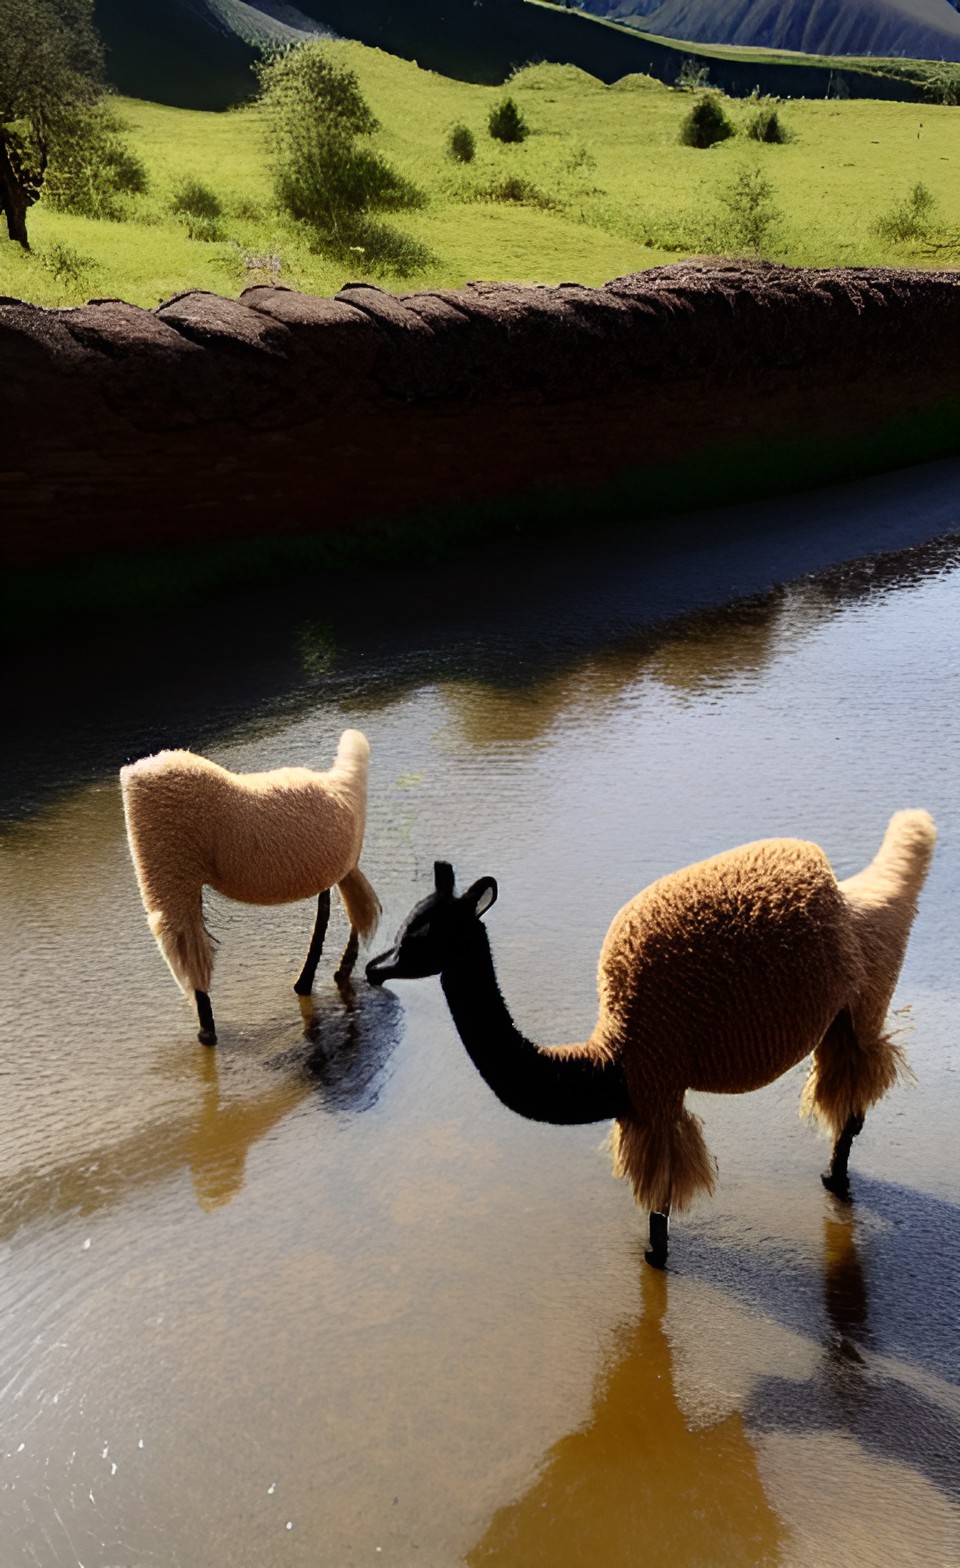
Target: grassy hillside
601 188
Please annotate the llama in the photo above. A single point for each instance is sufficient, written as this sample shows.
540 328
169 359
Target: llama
260 838
719 977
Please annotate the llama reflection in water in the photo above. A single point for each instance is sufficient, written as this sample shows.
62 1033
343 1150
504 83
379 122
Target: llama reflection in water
349 1036
636 1485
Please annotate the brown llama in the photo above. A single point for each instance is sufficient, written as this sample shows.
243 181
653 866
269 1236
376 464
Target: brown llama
720 978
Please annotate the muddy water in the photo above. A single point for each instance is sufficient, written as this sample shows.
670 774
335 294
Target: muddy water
316 1298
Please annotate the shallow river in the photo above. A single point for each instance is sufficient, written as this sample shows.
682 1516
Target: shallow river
315 1298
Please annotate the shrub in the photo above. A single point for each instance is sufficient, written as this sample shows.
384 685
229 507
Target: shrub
751 215
506 123
909 220
513 187
707 123
766 126
461 144
579 158
379 248
68 266
199 209
942 84
324 175
692 76
92 170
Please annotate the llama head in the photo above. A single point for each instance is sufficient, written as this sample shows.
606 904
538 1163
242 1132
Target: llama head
434 929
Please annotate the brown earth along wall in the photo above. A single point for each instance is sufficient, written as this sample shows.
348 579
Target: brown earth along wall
211 419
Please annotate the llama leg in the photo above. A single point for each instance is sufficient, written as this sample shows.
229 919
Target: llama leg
656 1254
836 1179
348 957
304 985
208 1029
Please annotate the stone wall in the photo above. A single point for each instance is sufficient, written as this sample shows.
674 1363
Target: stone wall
210 419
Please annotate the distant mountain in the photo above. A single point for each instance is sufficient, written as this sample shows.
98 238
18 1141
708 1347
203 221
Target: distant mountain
198 54
175 51
917 29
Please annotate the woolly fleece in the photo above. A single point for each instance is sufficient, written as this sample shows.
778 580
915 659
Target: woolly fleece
260 838
722 976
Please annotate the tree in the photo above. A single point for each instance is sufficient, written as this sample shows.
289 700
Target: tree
51 66
324 174
506 123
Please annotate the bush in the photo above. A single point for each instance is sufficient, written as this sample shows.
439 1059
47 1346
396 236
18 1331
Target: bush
942 84
67 265
513 187
691 76
506 123
908 220
199 209
381 249
323 174
751 216
461 144
707 123
766 126
92 170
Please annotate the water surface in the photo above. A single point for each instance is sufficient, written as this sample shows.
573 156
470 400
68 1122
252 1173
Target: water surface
316 1298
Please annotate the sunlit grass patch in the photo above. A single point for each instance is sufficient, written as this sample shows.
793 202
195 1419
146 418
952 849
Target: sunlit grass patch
601 186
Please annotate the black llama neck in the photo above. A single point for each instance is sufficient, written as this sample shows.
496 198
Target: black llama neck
539 1084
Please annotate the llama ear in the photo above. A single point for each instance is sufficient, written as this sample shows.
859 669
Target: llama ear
443 876
482 895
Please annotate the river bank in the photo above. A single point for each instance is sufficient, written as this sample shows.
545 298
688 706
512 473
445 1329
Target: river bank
159 455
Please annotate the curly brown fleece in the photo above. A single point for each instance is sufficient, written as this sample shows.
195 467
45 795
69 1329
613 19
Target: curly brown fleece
726 974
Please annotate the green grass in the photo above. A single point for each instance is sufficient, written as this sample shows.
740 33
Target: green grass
608 189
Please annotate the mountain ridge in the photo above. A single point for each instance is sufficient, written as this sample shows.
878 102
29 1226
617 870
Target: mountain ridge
199 54
913 29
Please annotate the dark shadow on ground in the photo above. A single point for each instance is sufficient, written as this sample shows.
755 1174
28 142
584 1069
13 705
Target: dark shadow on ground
888 1292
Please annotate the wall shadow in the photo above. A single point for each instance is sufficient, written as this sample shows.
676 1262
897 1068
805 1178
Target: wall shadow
76 711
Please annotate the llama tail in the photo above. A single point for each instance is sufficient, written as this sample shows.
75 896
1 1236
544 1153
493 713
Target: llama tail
353 757
666 1160
360 901
857 1060
899 869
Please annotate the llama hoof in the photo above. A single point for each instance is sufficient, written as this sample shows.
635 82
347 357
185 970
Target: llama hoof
207 1036
656 1253
302 988
838 1185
